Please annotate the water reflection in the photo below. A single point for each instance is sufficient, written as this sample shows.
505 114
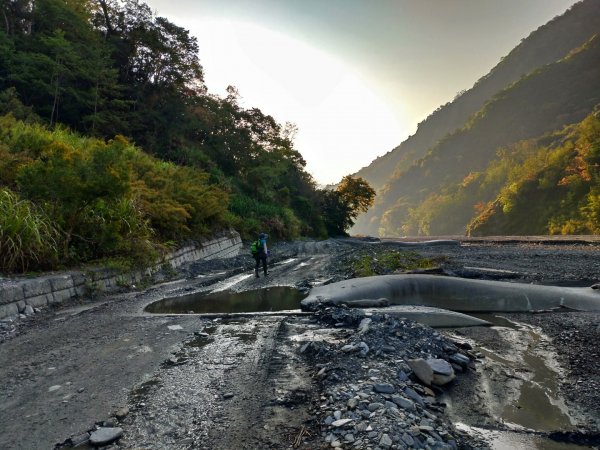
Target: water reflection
271 299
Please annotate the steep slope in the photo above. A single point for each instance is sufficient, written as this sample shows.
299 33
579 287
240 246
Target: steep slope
546 45
546 100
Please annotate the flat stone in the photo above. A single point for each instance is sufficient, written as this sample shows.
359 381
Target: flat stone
104 436
422 370
410 393
174 327
440 366
404 402
384 388
460 359
341 422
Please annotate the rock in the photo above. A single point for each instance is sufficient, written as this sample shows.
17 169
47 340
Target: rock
56 387
341 423
29 310
408 439
174 327
386 441
363 327
228 395
422 370
79 440
441 380
105 436
364 348
460 359
410 393
337 415
374 406
384 388
404 402
352 403
121 413
349 348
440 366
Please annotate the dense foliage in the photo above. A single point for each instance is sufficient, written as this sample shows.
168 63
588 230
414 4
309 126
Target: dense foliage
85 85
546 100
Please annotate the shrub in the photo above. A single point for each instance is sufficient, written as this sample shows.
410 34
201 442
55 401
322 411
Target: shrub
27 237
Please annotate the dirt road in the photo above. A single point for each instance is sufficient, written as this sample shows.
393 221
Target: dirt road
186 381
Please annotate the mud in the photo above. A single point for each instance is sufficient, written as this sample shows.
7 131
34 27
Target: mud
196 382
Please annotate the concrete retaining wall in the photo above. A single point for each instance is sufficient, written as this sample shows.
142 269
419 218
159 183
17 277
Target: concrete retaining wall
16 294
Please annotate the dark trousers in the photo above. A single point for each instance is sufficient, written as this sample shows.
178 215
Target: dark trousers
258 259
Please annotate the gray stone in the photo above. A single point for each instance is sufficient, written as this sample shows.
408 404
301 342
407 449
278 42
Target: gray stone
374 406
41 300
121 413
352 403
363 327
29 310
61 282
10 293
341 422
460 359
441 380
36 287
404 402
8 310
422 370
80 439
364 348
410 393
440 366
337 415
386 441
384 388
105 436
408 439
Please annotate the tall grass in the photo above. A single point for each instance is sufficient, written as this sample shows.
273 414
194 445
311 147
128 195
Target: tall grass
27 237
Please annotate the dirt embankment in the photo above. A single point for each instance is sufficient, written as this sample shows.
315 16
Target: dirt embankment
280 381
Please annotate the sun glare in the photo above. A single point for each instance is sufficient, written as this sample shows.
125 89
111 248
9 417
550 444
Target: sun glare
342 123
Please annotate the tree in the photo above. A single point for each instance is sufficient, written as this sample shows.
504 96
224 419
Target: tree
341 207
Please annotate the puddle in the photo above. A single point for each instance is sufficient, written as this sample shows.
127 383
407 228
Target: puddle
510 440
261 300
530 400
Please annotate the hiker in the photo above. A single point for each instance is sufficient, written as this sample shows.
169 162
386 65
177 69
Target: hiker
260 253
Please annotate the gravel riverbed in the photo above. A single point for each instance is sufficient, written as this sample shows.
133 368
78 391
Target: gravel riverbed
333 379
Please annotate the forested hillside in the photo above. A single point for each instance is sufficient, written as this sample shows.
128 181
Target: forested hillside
111 146
461 133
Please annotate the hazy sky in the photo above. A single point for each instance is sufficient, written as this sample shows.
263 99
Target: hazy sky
356 76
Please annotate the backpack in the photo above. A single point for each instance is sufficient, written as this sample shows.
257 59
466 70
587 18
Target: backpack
256 247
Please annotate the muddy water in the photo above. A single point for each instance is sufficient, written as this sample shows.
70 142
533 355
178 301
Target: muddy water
271 299
539 406
520 389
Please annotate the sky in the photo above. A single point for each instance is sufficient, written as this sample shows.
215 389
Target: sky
355 76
